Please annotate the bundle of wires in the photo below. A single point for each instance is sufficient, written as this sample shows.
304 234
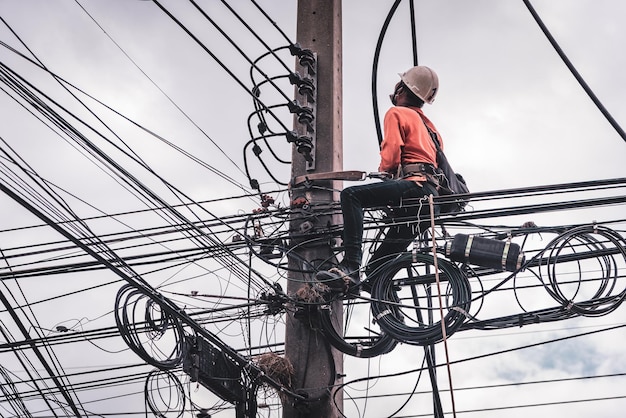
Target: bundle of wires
364 347
586 242
149 331
388 307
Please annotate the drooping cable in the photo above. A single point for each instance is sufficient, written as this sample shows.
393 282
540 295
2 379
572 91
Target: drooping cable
575 72
379 44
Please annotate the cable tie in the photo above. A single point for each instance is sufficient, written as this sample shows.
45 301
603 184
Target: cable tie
383 313
569 305
463 312
359 350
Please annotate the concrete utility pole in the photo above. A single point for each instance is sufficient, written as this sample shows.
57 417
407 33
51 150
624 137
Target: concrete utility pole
316 365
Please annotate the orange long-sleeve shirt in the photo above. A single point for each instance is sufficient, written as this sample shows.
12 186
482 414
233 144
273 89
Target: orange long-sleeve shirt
406 140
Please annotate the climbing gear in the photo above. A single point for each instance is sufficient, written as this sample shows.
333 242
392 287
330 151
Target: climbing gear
422 81
419 169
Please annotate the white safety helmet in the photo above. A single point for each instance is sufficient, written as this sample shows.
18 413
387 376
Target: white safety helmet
422 81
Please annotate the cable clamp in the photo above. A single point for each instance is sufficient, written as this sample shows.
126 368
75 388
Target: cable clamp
468 246
505 253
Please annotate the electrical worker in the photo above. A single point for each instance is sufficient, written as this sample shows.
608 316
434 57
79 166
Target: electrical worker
408 157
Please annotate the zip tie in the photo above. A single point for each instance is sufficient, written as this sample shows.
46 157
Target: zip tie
569 305
359 349
383 313
464 313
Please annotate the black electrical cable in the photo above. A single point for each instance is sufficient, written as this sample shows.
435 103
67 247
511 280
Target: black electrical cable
34 324
270 50
257 152
574 72
63 390
126 303
208 51
265 131
602 301
12 395
272 21
386 303
377 50
413 31
364 347
153 134
150 194
153 196
173 386
164 93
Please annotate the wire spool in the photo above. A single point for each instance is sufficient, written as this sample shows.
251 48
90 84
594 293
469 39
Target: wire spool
150 329
485 252
364 347
397 307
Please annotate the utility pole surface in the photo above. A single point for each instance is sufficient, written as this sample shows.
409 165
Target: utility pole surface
318 366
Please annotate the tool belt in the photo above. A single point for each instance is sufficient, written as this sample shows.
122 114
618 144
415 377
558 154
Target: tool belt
422 169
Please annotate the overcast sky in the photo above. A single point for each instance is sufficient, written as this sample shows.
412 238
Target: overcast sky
510 112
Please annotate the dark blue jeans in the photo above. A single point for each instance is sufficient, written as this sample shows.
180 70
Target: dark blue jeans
392 193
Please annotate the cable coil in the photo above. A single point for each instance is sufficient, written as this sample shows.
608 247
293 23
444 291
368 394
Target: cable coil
390 311
152 327
371 346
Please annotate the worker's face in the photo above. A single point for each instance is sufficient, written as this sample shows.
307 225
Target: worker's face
397 90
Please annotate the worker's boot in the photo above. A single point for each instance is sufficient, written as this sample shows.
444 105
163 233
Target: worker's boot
343 278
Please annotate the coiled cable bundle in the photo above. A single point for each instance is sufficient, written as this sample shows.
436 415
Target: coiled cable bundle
364 347
403 318
577 252
143 323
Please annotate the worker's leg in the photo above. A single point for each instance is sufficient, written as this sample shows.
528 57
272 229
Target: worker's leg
411 220
356 198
